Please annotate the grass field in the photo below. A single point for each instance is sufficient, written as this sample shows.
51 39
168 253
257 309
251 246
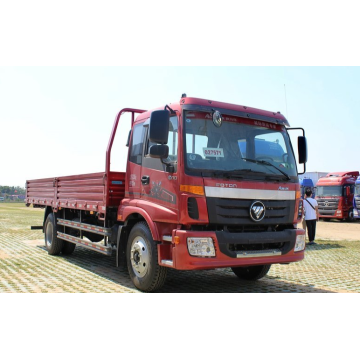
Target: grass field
25 266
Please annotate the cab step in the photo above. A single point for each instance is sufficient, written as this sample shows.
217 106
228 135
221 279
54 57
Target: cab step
106 250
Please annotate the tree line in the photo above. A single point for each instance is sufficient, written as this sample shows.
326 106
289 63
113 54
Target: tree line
12 190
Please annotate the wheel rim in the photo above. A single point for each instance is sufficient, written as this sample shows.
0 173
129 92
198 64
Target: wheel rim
139 256
48 234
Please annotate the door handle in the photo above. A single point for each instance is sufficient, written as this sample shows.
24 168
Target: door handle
145 180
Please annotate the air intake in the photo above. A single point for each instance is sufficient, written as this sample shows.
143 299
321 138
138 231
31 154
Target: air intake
193 209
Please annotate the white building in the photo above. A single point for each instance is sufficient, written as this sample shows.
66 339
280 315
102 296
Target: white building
313 175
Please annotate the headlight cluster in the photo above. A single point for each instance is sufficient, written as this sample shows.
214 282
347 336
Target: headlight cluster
300 243
202 247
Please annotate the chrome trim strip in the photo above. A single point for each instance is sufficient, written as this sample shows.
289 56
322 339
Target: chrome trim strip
167 238
258 194
86 227
261 253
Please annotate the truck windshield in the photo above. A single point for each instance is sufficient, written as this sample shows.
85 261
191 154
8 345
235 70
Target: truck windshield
241 147
329 191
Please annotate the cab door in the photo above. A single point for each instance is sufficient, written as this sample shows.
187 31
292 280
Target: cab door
133 172
159 177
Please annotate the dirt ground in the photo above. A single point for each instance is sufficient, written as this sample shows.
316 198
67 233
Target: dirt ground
337 230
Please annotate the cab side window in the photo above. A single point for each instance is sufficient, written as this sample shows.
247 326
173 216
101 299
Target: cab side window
173 139
137 144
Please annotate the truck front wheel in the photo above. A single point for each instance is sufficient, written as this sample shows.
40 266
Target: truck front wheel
142 260
350 217
52 243
251 272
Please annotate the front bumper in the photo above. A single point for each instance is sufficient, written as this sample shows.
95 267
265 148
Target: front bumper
338 214
235 249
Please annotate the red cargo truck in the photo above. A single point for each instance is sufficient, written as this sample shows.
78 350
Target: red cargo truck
199 192
335 194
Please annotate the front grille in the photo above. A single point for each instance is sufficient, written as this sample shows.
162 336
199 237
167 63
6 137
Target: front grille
235 212
256 247
327 212
328 206
247 228
240 244
357 202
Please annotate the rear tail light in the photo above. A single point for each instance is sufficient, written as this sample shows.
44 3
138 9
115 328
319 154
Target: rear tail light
300 210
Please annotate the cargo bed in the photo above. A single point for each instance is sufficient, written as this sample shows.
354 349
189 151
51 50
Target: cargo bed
93 192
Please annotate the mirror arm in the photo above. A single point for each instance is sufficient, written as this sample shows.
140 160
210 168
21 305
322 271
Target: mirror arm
297 128
170 109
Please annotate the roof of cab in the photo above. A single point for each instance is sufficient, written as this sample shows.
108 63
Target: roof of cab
241 109
338 178
343 173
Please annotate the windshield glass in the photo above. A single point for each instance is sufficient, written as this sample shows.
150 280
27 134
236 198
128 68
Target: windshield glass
357 189
328 190
233 146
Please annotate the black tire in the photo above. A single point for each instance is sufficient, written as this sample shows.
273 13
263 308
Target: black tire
52 243
251 273
350 217
91 236
68 248
142 259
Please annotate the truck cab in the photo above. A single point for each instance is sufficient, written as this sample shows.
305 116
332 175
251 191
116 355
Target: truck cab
356 200
307 184
335 194
222 192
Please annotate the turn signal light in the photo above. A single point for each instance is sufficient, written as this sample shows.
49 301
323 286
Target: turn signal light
197 190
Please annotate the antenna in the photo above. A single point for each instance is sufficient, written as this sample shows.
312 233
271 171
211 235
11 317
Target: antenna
287 115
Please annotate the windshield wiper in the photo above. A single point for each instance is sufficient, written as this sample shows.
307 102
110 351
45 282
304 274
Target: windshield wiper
263 162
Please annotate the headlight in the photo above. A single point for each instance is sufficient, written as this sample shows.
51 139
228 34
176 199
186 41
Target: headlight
300 243
356 213
201 247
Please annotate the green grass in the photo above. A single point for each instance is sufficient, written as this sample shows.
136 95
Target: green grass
19 217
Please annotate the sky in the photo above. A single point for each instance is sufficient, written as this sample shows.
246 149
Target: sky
57 120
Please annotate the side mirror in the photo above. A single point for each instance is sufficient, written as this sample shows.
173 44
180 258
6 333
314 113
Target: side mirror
159 151
159 126
302 149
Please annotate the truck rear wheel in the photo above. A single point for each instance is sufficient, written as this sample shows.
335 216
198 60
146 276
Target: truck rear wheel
142 260
251 272
68 248
91 236
52 243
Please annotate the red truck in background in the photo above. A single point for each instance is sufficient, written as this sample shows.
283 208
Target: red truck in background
335 194
207 185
